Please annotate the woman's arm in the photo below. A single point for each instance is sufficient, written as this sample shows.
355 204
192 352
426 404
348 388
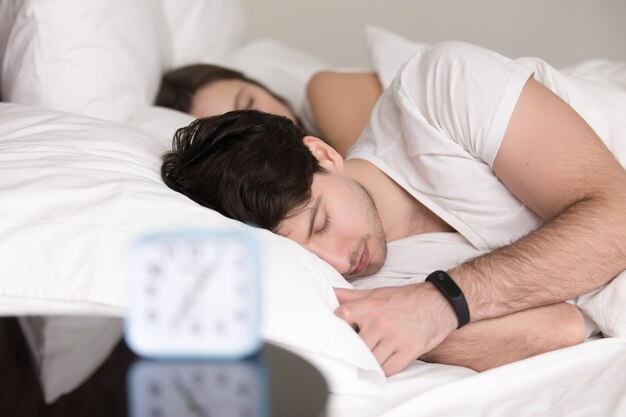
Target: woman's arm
341 104
495 342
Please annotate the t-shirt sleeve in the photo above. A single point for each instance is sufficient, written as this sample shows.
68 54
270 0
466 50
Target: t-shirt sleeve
466 92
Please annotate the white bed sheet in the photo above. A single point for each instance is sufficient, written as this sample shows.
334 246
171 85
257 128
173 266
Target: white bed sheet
583 380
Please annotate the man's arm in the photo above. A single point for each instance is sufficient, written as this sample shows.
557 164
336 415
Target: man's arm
555 163
495 342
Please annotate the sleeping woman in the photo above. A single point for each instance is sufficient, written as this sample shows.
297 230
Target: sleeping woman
339 103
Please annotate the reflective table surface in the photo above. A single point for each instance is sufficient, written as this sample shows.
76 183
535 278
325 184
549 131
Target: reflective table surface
81 366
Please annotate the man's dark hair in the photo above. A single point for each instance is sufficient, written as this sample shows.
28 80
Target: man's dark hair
248 165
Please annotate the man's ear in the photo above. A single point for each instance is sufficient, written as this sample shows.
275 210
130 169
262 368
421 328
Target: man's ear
323 152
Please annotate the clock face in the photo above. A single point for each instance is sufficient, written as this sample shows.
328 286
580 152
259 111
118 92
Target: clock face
225 389
194 294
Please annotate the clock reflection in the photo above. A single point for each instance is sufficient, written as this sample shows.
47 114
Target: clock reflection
176 389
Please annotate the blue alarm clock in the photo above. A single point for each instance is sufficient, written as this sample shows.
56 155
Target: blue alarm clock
194 294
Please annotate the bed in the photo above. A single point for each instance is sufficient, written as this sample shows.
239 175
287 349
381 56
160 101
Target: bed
80 146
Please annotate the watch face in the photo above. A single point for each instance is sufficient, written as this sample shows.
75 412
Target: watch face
447 285
171 389
194 294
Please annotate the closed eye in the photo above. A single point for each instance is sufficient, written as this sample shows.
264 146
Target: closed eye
326 225
249 104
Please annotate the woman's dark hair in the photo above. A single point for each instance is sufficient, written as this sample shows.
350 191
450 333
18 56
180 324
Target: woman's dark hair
248 165
179 86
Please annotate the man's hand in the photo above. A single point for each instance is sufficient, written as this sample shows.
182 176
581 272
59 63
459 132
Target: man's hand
398 324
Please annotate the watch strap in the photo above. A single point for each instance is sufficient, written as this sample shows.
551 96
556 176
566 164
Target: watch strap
448 288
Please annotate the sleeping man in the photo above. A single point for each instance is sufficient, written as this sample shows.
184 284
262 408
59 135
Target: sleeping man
524 163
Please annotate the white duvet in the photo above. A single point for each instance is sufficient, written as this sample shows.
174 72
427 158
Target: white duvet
584 380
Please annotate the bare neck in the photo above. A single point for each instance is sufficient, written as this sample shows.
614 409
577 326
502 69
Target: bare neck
400 213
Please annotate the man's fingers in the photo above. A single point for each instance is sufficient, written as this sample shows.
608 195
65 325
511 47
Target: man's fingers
397 362
371 339
348 315
382 352
345 295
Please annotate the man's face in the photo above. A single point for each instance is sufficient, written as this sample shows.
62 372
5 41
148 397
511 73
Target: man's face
340 225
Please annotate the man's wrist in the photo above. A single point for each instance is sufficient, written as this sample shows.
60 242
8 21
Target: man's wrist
453 295
442 311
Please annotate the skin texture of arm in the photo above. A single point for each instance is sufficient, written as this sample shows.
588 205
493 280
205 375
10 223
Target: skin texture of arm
490 343
341 104
554 162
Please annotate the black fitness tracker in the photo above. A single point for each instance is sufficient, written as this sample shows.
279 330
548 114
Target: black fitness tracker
446 286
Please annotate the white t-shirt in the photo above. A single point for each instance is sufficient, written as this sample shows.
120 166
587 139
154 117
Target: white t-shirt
437 129
411 259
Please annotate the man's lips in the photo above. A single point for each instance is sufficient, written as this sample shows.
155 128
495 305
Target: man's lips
365 257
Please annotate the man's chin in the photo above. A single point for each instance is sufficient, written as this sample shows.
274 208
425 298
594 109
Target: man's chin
371 269
377 262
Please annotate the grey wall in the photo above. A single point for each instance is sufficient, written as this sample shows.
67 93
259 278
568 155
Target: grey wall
561 31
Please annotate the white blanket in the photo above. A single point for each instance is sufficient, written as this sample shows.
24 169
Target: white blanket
607 307
584 380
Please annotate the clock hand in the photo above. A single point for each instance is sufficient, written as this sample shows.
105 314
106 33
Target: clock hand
194 406
192 295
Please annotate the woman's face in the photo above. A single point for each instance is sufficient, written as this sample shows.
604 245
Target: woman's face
225 95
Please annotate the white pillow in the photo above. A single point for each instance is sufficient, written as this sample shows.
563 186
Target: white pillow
104 58
388 52
99 57
282 69
75 192
203 29
607 307
8 12
161 121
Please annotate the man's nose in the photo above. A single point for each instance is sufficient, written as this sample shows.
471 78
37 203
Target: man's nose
337 256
